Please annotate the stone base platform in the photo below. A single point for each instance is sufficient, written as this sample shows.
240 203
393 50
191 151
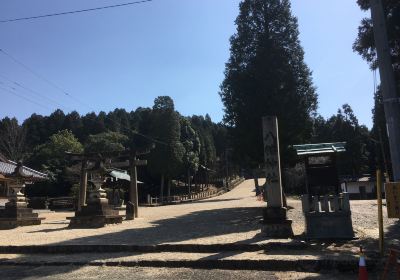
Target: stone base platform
15 216
95 215
94 221
282 229
329 225
10 223
276 224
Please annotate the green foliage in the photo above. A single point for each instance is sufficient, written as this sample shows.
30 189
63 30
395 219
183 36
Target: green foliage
50 156
166 158
12 139
174 156
204 128
344 127
266 75
37 131
365 46
106 141
191 144
163 103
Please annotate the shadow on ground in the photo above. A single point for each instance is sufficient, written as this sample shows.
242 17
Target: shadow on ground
200 224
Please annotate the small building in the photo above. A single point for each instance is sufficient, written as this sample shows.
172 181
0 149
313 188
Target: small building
363 187
321 174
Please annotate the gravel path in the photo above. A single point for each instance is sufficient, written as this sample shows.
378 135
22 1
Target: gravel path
233 217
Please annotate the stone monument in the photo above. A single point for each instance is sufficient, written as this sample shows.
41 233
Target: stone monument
275 222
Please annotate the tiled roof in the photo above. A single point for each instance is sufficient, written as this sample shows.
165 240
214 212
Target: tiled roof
121 175
7 168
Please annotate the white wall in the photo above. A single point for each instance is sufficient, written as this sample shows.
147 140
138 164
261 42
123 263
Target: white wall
354 187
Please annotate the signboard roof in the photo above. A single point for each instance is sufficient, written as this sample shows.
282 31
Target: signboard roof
320 148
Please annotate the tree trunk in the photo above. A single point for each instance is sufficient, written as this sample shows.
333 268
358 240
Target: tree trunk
207 179
169 187
256 184
256 181
162 188
195 179
188 182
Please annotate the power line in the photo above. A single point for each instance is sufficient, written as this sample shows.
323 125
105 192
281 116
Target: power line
128 129
76 11
33 92
24 97
33 72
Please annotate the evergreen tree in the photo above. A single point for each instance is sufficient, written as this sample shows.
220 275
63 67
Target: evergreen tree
165 160
365 44
192 147
266 75
37 130
344 127
55 122
106 142
73 122
12 139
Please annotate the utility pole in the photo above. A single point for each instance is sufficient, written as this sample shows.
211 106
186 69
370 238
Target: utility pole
391 101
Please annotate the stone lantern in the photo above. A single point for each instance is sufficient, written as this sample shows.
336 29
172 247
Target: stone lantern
16 212
97 212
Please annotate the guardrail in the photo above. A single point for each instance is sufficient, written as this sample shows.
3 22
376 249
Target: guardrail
181 198
175 199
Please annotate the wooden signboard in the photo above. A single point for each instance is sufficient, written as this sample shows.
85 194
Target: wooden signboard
392 191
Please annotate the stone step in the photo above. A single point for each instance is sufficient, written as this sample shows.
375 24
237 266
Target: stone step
194 248
238 260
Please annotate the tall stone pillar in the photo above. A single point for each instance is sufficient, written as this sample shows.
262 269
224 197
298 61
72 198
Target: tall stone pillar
275 223
133 211
82 186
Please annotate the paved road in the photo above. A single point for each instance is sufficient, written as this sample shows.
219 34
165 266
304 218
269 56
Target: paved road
123 273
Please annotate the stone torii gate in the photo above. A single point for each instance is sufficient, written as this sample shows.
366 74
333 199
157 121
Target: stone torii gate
126 158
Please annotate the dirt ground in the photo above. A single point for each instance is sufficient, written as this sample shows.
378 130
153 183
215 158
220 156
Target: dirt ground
233 217
147 273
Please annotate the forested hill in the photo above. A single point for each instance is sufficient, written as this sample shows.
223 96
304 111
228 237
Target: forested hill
183 144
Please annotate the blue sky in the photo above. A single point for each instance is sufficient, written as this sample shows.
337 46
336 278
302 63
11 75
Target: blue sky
125 57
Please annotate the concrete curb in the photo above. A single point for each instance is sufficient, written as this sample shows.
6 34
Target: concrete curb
313 265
